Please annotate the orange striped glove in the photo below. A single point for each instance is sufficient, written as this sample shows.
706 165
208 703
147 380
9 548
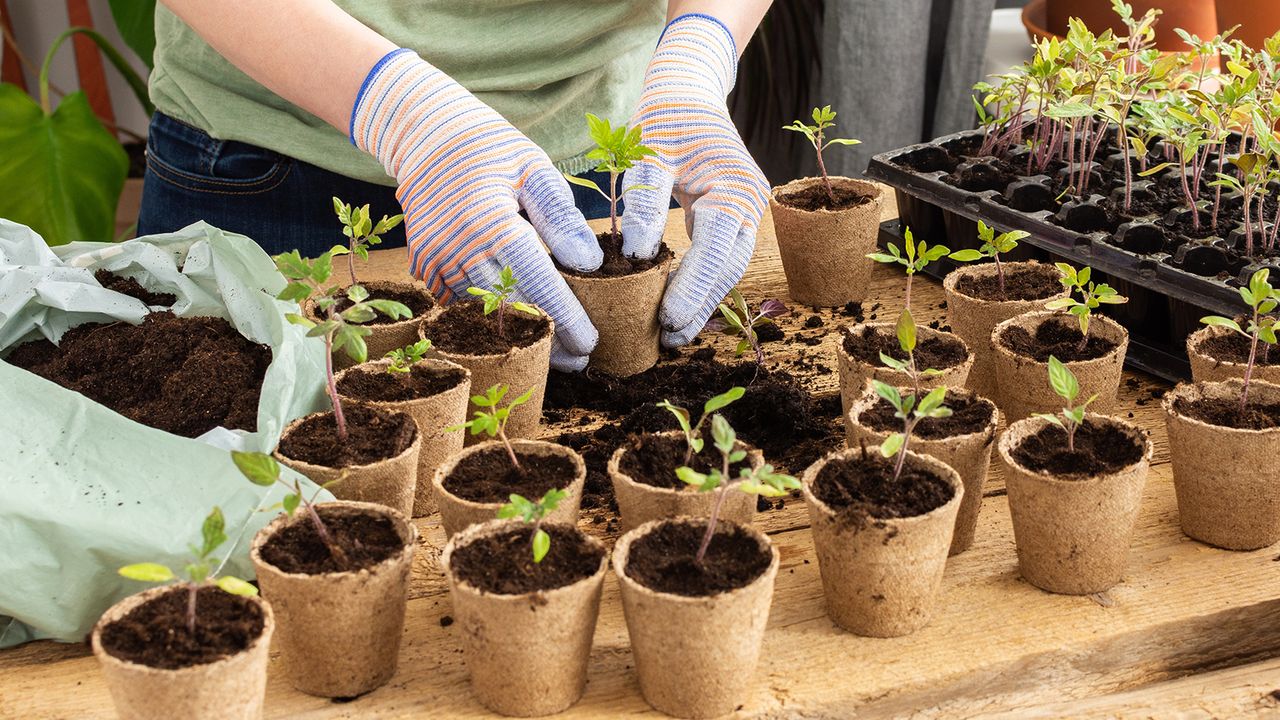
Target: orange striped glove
700 156
464 175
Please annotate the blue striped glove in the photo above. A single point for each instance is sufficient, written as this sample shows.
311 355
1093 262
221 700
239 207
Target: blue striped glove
700 156
464 175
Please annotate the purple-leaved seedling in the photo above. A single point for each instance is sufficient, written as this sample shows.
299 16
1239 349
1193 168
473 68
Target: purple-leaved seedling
262 469
494 422
361 233
992 247
1262 299
1064 383
738 320
534 513
823 118
693 442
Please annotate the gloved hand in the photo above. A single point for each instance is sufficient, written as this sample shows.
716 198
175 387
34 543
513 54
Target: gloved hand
464 175
683 117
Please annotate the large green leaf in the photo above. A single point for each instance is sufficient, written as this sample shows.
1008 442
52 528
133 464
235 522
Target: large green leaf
61 174
136 21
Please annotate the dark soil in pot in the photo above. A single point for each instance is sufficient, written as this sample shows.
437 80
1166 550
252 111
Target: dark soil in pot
503 563
618 264
814 197
367 540
1225 412
1099 449
464 329
653 459
418 300
488 476
132 288
969 415
181 375
663 560
864 487
1036 282
934 352
155 633
1235 348
372 434
378 385
1058 338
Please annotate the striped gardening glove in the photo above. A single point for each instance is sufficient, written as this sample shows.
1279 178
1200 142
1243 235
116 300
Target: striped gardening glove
464 174
700 156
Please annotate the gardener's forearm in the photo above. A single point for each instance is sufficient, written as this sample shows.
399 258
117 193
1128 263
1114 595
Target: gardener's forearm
742 17
308 52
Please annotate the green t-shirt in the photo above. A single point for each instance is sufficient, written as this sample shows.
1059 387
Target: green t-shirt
542 64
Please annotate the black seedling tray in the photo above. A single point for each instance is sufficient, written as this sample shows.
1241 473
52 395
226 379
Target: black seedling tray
1168 291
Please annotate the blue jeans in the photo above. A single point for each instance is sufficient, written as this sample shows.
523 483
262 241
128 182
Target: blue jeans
282 203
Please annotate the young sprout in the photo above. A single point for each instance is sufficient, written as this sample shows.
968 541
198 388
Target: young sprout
916 257
199 572
693 432
262 469
992 246
361 233
1092 295
498 298
907 341
403 359
494 422
616 150
534 512
906 410
823 118
738 320
1262 299
755 481
341 329
1068 388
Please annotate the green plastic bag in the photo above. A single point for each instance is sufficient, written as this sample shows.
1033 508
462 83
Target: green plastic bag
84 490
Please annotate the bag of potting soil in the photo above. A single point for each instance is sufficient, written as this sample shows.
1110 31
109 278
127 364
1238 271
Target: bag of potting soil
85 490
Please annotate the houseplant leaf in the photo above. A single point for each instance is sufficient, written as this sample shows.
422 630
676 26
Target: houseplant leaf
136 21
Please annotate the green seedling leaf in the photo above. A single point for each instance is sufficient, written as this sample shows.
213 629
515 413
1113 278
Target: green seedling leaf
236 586
147 572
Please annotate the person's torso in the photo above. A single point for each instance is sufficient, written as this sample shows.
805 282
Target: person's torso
542 64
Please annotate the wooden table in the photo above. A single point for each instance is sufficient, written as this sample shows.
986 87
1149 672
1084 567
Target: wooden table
1192 632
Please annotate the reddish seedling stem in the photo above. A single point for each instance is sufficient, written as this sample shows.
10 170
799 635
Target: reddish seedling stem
1248 369
502 310
613 203
822 168
721 493
999 272
322 532
351 259
511 451
331 385
902 451
192 589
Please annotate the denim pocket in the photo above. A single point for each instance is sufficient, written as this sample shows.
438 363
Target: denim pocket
187 157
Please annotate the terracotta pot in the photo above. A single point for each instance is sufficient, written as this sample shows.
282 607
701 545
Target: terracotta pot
969 455
1227 484
457 513
823 251
881 577
1073 534
1258 20
973 319
232 688
519 369
1023 387
639 502
625 312
339 632
855 373
391 481
553 629
432 414
1204 368
695 656
383 337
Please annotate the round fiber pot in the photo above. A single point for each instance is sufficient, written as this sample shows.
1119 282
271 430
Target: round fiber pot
231 688
505 637
823 251
881 576
458 513
855 373
384 337
1073 532
695 656
639 502
1227 484
973 318
391 481
624 310
1205 368
1258 20
968 454
1023 387
432 415
519 369
340 631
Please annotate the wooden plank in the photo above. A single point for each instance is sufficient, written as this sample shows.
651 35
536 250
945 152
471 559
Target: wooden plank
996 645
